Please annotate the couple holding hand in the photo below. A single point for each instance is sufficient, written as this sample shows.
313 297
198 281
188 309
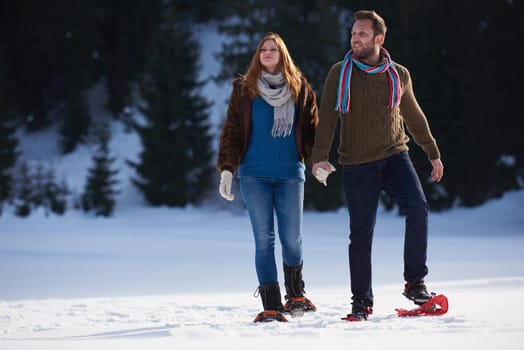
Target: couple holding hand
273 129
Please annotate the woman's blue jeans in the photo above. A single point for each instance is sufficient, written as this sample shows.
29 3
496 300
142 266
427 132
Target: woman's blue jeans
266 198
363 184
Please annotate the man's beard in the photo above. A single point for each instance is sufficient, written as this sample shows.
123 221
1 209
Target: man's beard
364 53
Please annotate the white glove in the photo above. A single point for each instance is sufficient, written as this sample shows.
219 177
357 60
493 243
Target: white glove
322 174
225 185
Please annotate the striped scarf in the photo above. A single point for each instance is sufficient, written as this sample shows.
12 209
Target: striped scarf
343 92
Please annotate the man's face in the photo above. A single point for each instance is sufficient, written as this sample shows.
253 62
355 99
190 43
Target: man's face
364 43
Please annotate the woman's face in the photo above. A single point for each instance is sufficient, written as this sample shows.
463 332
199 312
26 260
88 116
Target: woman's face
269 56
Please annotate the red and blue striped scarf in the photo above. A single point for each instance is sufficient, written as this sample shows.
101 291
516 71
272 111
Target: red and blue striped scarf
343 92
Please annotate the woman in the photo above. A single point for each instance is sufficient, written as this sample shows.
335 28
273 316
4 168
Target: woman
267 135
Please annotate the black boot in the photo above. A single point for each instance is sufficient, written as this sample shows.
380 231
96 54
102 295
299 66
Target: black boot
359 311
296 302
272 303
293 281
417 292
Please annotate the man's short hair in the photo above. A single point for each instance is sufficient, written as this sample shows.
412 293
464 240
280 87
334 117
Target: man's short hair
379 25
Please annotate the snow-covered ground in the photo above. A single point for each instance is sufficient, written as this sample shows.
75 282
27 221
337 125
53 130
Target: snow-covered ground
159 278
484 314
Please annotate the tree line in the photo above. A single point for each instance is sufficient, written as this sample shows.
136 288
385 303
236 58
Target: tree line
145 54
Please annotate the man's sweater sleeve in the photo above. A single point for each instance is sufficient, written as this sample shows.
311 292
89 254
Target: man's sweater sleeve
328 117
416 122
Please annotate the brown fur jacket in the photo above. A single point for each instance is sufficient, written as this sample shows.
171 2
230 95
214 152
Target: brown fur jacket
237 126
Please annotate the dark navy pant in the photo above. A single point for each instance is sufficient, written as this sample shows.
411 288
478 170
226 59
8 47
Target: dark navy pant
363 184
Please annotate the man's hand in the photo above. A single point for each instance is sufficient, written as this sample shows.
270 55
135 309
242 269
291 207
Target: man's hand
438 170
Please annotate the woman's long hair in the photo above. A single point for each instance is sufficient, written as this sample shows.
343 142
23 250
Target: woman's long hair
291 73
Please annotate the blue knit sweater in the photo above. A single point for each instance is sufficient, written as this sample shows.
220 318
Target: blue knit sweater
268 156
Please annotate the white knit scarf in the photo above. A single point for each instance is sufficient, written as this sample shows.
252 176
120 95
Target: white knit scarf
273 90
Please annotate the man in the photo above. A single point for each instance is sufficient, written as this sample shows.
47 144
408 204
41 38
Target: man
373 98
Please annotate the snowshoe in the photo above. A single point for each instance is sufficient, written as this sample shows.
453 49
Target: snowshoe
272 303
298 305
438 305
270 316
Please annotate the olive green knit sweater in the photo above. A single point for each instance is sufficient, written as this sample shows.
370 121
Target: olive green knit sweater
371 130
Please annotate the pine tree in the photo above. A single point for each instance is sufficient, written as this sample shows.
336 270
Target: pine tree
127 31
174 166
43 42
8 147
38 180
76 118
36 187
24 192
99 192
55 195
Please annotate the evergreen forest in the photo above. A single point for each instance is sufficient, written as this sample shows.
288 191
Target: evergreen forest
145 53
